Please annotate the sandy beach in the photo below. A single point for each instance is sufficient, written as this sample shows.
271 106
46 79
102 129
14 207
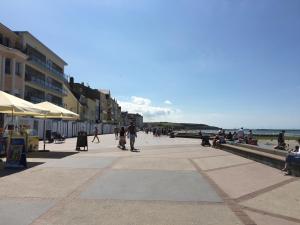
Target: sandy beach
270 144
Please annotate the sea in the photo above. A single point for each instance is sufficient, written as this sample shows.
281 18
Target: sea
288 133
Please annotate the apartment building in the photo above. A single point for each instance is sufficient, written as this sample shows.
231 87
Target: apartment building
139 120
127 118
71 102
116 112
44 71
12 63
124 119
105 106
29 69
89 99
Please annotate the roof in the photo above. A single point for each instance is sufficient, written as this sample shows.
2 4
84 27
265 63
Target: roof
29 34
105 91
2 26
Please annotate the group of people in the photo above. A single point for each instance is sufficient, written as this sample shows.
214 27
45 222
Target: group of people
157 131
131 134
120 134
238 136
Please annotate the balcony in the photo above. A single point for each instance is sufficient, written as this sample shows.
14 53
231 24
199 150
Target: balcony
54 100
47 85
33 99
54 88
43 65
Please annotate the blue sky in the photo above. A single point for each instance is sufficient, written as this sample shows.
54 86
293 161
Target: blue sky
228 63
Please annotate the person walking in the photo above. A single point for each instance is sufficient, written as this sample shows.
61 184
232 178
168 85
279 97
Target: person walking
132 135
116 131
96 134
122 141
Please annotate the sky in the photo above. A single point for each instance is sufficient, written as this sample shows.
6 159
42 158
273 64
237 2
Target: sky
228 63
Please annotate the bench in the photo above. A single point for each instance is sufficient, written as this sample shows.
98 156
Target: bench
58 138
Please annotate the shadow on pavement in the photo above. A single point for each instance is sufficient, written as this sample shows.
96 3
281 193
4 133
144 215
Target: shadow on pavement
50 155
6 172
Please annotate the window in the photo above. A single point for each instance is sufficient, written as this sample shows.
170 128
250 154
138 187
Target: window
18 68
6 42
1 39
7 66
33 53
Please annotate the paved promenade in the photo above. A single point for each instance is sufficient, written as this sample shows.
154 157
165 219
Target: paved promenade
169 182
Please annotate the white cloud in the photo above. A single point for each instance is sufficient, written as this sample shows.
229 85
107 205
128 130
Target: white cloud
140 101
167 102
150 112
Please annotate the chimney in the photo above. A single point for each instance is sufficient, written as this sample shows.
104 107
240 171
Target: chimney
71 82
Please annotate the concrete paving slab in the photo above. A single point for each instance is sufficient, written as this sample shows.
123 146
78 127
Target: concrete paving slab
93 212
263 219
154 164
110 154
44 182
196 153
151 185
284 200
245 179
165 194
220 161
80 162
22 211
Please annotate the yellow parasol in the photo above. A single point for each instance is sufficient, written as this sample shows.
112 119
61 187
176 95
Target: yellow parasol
55 112
10 104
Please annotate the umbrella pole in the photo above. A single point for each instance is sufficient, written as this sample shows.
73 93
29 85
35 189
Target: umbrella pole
44 137
44 134
12 117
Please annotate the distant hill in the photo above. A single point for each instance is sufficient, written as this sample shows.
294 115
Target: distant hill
181 126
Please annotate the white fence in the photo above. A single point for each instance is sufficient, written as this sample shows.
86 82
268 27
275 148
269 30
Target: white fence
66 128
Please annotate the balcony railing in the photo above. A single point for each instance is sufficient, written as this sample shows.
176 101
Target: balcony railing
44 65
48 86
33 99
54 100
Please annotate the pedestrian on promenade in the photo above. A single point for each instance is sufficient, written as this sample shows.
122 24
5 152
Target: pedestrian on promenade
116 131
132 135
200 134
96 134
122 139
